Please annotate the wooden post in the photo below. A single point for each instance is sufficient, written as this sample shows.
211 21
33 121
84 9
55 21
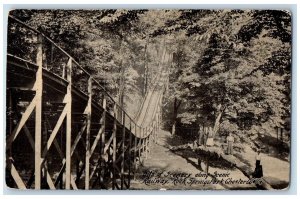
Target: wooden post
159 118
103 134
44 143
114 147
153 132
149 143
123 150
154 128
77 170
9 152
38 113
146 142
129 153
63 72
150 139
134 152
140 142
151 136
68 102
88 134
205 136
207 165
158 122
157 128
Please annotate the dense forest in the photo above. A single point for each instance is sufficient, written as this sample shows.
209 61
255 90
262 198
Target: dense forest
229 69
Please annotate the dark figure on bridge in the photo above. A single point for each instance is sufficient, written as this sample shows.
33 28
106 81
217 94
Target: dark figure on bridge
258 172
230 141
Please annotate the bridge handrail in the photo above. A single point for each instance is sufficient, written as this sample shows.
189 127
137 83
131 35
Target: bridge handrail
73 60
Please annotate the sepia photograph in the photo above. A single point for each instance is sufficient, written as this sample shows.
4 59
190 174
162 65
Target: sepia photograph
148 99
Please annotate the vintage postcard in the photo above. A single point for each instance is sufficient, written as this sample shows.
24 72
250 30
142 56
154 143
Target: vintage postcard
177 99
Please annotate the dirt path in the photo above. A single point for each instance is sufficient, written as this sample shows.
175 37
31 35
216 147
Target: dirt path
161 159
276 171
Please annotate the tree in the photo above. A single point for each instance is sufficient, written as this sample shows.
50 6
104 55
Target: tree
238 82
230 69
105 42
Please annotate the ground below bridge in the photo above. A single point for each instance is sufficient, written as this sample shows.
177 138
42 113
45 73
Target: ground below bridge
166 170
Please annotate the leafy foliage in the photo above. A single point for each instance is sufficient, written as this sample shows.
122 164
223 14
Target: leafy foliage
243 72
230 69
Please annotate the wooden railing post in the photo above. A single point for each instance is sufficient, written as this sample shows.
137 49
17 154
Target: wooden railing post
114 147
149 139
88 133
103 123
160 118
157 127
38 112
68 102
146 143
135 150
63 72
123 149
129 153
140 142
152 133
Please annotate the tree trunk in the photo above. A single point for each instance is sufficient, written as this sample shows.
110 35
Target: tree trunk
168 71
200 135
121 81
173 128
199 164
217 121
146 68
121 89
207 165
175 112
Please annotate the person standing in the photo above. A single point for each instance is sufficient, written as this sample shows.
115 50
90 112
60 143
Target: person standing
258 172
230 140
201 135
210 139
